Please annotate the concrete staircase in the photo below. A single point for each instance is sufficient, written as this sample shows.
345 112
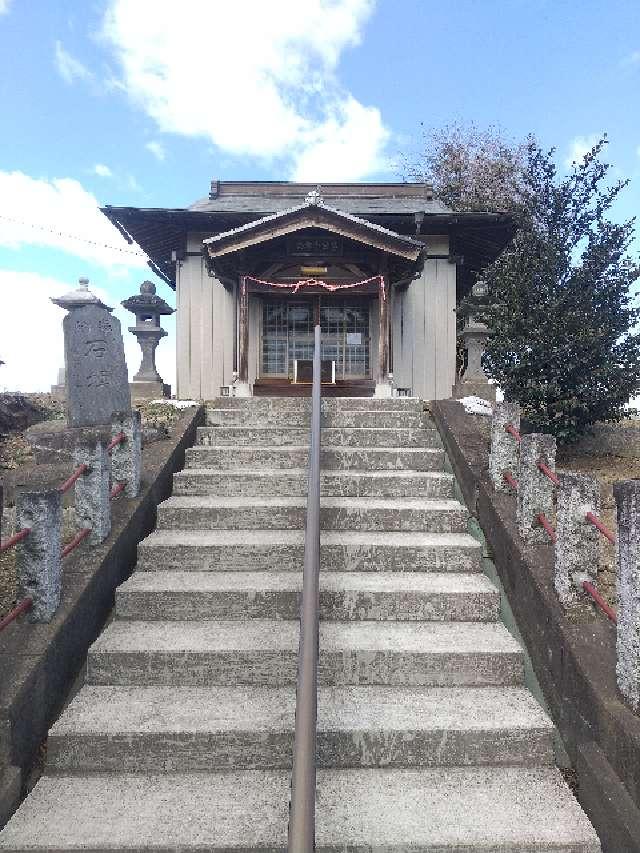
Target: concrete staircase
182 737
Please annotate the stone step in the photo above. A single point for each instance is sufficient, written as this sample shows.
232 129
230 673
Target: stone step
336 419
347 437
280 482
329 404
264 652
332 458
427 810
283 550
344 596
267 513
164 729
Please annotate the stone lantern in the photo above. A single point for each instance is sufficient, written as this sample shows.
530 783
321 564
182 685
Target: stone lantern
474 382
148 308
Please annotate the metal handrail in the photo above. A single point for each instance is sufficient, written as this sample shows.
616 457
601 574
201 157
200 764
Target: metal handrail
302 808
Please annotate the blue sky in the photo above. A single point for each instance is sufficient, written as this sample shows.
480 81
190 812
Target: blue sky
142 103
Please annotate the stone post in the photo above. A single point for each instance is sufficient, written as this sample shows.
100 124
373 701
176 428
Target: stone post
627 496
93 506
578 549
535 490
126 458
504 447
38 557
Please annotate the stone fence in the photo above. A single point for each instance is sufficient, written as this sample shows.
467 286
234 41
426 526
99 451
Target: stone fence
103 471
524 465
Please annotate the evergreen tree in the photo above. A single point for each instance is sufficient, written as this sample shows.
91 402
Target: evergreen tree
561 307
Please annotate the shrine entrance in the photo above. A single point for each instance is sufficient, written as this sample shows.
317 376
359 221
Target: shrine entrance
287 335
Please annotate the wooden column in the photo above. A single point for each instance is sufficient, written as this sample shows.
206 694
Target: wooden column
243 333
383 334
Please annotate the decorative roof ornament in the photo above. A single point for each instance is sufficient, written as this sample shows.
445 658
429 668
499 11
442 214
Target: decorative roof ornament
79 298
314 197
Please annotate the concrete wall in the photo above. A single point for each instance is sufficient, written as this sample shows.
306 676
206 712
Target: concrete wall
423 318
424 329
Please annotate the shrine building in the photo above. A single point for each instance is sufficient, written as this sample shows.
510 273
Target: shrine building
255 265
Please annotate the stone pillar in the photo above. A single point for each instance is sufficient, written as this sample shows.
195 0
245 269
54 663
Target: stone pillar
627 496
504 448
535 490
577 552
126 457
38 557
242 387
383 385
93 506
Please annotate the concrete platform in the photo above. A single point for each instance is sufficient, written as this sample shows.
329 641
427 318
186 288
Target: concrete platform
399 514
283 550
332 458
335 419
293 482
277 436
510 810
264 652
110 729
179 595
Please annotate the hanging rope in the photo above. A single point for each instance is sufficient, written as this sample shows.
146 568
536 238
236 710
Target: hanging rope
296 287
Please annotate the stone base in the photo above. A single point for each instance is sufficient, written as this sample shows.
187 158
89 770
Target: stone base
242 389
53 441
149 390
383 389
474 388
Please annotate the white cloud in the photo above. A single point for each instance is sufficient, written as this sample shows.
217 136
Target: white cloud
257 79
60 214
580 146
345 147
102 171
4 6
157 149
26 306
69 67
632 58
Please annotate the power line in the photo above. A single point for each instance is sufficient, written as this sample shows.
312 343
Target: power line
73 237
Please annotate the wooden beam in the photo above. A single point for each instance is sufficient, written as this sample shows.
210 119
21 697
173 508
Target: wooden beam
243 332
383 331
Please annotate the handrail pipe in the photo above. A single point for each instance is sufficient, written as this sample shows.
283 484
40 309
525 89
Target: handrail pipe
303 780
